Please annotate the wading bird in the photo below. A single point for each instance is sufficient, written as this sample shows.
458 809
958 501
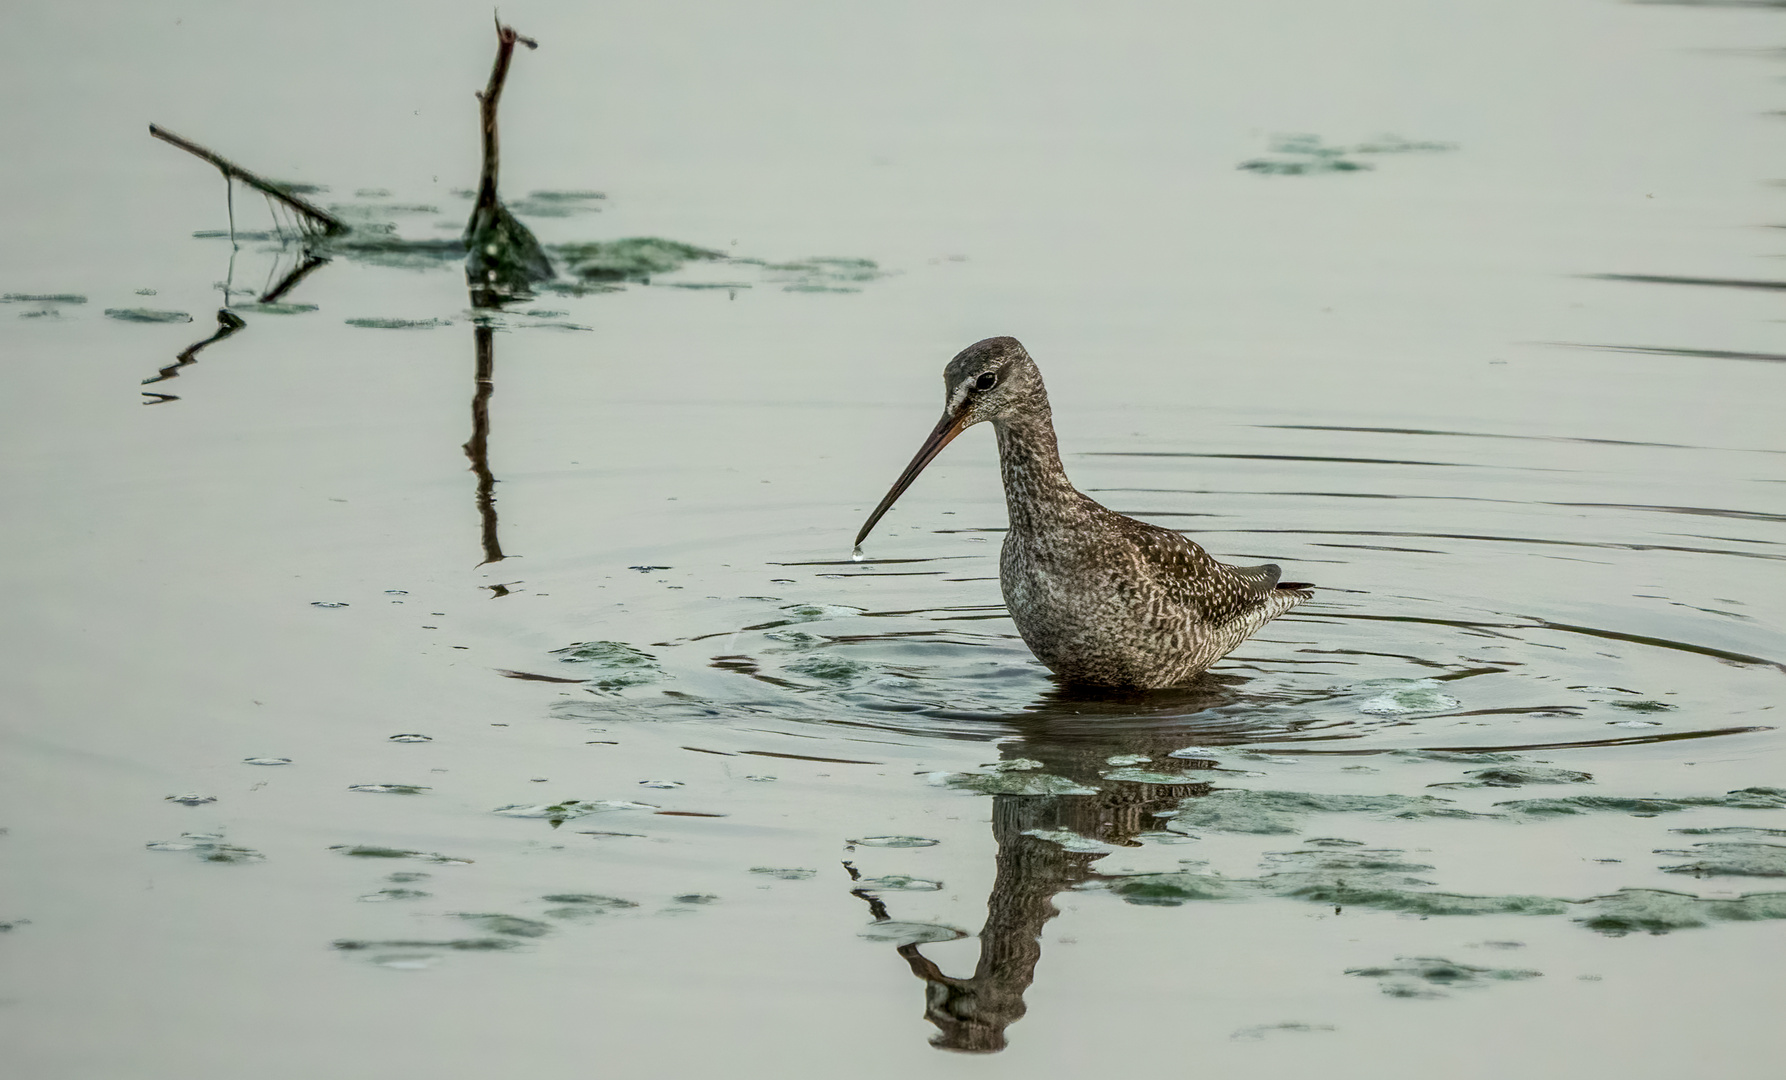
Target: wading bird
1103 600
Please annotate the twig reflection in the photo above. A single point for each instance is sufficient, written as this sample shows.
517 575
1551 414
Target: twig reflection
308 262
478 447
228 322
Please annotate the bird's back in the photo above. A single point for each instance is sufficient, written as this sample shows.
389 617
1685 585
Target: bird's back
1107 600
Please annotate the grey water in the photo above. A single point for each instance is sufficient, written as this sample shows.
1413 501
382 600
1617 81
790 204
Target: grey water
395 686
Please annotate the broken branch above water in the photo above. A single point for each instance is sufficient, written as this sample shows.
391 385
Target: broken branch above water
488 100
327 222
503 256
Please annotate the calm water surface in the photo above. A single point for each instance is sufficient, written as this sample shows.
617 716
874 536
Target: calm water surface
338 744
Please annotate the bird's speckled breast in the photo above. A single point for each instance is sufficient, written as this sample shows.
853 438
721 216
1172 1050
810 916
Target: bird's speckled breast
1084 607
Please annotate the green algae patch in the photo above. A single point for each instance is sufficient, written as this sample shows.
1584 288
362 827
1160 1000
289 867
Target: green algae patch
399 324
1014 783
1714 859
590 900
558 204
42 298
1463 757
381 247
1385 881
824 274
510 925
895 883
1342 893
1434 977
1133 775
585 905
580 288
456 944
275 308
208 847
785 873
1518 775
1013 776
1382 880
362 214
375 851
616 665
1753 798
1303 155
556 814
633 259
1395 144
1072 841
1731 830
1281 812
147 315
240 235
1260 1031
1658 911
384 896
894 932
1173 889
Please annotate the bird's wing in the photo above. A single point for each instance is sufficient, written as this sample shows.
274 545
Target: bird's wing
1208 590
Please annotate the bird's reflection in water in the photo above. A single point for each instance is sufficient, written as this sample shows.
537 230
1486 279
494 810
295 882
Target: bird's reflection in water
972 1012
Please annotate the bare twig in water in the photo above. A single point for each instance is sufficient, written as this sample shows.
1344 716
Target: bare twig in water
488 101
326 222
503 255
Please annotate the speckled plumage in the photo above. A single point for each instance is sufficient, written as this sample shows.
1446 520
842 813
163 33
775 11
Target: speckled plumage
1101 599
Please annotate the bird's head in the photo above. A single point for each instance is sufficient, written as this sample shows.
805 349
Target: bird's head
988 380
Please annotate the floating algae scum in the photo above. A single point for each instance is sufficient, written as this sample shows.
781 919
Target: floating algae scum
346 734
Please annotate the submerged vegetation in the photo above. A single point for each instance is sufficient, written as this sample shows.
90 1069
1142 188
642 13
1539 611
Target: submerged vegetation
1348 874
1303 154
635 259
1281 812
1385 880
208 847
1431 976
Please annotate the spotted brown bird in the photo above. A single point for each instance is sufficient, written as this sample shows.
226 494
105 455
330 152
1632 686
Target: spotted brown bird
1102 599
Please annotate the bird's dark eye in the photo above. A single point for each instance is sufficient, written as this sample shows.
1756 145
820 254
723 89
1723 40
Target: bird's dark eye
986 381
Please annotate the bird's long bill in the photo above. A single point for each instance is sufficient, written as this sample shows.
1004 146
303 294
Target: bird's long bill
946 430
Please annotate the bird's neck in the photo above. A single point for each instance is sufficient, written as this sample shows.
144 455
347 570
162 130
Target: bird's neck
1037 490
